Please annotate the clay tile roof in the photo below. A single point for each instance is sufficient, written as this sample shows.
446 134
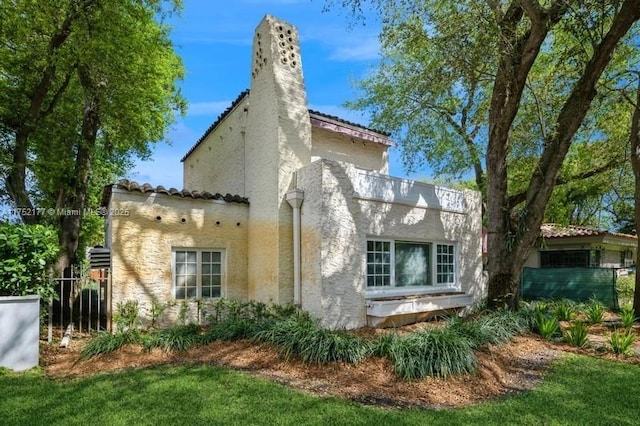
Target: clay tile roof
133 186
554 230
382 137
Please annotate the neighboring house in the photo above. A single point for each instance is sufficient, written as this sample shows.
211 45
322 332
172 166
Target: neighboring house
581 246
316 220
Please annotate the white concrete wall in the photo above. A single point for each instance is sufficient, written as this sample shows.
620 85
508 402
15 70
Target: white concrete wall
337 220
141 245
340 147
217 164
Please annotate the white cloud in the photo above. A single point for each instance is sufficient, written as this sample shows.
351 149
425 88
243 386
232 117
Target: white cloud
367 49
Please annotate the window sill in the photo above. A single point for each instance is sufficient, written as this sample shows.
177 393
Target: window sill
409 292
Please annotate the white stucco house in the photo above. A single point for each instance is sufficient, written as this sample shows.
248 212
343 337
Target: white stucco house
311 216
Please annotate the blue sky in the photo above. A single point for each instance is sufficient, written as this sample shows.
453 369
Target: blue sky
215 45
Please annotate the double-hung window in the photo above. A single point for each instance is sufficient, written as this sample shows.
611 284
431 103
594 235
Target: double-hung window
197 273
410 264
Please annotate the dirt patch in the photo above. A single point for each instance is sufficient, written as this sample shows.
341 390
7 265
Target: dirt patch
502 370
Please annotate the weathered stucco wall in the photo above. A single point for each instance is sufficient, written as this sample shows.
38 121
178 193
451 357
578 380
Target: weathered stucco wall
337 220
141 245
217 164
278 142
340 147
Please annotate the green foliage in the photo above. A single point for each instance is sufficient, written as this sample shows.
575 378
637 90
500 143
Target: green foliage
565 310
183 313
127 315
595 312
177 338
490 328
576 334
300 336
438 353
382 345
627 317
547 325
27 253
625 286
621 342
105 342
156 311
57 58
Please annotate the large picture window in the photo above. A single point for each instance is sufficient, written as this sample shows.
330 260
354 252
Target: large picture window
197 273
409 264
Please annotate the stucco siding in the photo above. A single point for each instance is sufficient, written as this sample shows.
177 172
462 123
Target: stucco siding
155 224
217 164
340 147
337 224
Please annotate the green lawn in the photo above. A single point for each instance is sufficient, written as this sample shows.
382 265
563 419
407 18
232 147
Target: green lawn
578 390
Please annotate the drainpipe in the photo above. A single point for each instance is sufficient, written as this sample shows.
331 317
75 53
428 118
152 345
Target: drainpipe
295 198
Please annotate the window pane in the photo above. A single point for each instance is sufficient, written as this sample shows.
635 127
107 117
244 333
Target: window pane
206 257
412 264
181 256
191 292
215 292
445 267
215 280
206 268
179 293
191 257
378 267
216 256
206 291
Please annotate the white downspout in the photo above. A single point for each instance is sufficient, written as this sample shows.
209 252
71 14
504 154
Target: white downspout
295 198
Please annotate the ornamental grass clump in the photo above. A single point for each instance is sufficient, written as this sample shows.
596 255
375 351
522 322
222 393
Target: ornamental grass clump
105 342
300 336
178 338
438 353
565 310
595 312
627 317
621 342
576 334
546 325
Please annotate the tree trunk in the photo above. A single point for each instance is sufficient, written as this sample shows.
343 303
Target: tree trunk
511 234
634 139
71 223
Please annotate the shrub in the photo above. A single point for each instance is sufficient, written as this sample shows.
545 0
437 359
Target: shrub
382 345
26 252
621 342
564 310
127 315
490 328
105 342
547 325
625 287
300 336
439 353
627 317
576 334
177 338
595 312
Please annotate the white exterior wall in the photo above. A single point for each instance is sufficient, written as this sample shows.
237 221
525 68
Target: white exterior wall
340 213
340 147
141 246
217 164
278 142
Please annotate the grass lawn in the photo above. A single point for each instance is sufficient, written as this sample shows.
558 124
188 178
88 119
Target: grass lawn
578 390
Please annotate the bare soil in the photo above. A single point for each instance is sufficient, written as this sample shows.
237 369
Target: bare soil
503 370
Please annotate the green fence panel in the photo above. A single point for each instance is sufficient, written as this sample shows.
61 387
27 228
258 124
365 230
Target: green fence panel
579 284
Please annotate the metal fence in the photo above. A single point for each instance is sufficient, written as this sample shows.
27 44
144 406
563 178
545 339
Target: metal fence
578 284
81 304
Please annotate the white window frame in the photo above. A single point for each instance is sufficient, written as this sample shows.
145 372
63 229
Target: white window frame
199 252
434 287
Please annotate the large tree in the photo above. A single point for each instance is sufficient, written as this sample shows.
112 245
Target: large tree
558 48
84 86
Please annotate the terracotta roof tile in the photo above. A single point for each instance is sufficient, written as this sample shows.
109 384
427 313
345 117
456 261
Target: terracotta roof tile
554 230
133 186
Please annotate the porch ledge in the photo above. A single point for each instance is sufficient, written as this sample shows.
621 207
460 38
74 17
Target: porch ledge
386 307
